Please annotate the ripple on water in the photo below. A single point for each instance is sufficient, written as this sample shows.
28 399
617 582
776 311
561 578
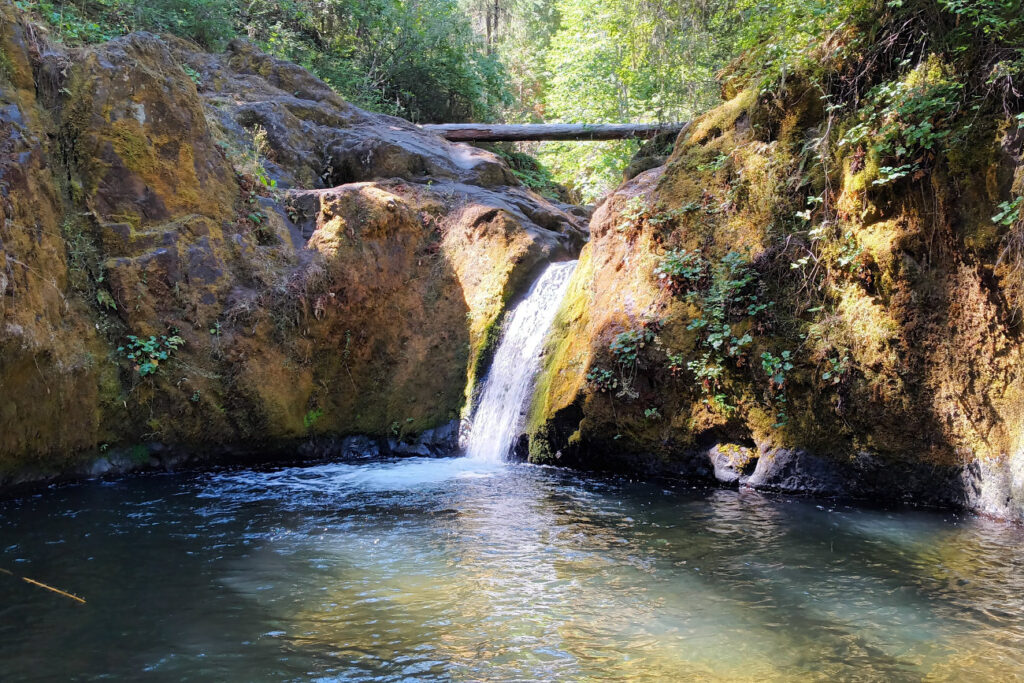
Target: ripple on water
455 569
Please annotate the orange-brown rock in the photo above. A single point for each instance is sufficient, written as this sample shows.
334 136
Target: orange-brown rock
307 270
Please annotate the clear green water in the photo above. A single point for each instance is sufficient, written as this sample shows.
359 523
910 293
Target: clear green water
454 570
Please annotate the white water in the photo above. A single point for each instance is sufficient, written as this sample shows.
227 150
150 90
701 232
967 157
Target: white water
506 393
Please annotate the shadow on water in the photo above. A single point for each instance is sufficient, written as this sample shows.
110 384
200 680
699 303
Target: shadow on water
456 569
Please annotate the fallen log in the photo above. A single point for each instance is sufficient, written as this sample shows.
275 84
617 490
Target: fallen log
518 132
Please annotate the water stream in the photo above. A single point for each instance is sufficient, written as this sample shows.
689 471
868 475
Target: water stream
508 387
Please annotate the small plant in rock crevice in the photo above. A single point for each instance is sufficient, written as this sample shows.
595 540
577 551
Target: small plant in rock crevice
147 353
632 214
681 270
1008 213
311 418
626 346
602 380
716 164
627 349
836 368
192 74
676 363
776 368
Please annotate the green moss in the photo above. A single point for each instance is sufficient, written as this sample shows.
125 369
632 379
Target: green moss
481 359
563 369
7 67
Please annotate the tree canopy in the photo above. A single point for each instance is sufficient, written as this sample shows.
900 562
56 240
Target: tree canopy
572 61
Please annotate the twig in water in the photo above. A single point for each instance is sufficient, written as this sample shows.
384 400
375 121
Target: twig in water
43 585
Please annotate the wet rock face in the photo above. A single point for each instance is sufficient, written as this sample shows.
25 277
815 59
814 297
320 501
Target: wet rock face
906 372
328 271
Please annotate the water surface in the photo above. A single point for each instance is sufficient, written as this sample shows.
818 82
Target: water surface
457 570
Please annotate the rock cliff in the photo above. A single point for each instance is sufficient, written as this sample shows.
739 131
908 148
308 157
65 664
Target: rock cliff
764 313
214 253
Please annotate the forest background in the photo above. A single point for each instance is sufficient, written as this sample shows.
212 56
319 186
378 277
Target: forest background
433 61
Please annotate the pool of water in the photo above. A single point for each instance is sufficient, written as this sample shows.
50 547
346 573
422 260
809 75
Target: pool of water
454 570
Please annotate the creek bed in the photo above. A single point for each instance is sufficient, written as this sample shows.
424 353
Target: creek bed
458 570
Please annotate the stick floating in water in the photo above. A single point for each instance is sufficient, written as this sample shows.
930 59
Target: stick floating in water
43 585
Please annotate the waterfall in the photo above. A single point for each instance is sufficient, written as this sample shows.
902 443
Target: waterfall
506 393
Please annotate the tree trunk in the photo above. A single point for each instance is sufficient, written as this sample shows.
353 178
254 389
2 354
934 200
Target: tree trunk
484 132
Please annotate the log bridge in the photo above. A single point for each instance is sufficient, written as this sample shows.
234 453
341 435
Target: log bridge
520 132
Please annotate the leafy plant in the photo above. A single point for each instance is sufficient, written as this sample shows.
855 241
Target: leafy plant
602 380
836 369
147 353
104 298
632 213
679 270
530 172
671 215
849 251
776 368
676 363
708 371
626 346
715 164
312 417
729 301
193 75
1009 212
905 120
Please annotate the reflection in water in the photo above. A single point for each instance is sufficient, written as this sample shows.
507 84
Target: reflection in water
461 569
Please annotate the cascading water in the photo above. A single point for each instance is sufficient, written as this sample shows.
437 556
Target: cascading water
508 387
